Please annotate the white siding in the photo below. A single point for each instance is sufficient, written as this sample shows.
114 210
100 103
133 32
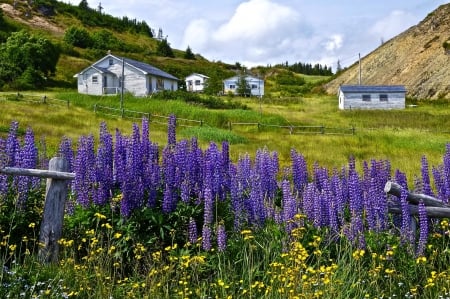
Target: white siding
87 83
192 80
256 85
355 101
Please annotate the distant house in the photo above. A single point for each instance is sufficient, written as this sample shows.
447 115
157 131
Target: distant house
256 85
105 77
196 82
372 97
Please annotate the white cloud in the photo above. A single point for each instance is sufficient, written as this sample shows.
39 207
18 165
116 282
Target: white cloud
334 42
393 24
257 20
196 35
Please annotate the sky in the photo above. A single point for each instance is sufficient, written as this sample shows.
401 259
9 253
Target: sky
269 32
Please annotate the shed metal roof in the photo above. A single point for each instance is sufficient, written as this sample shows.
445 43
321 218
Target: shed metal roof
372 88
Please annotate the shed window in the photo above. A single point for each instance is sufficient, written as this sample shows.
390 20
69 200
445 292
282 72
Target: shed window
197 82
383 97
254 86
111 61
232 86
94 79
366 98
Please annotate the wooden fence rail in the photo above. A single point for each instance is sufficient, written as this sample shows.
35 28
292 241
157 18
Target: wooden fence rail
55 199
434 207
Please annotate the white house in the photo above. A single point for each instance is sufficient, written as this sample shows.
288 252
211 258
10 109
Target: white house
105 77
371 97
256 85
196 82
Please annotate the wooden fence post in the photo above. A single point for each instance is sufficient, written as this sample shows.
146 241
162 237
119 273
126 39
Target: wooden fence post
52 220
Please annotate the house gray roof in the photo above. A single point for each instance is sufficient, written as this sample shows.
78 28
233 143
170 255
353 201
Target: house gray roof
148 68
372 88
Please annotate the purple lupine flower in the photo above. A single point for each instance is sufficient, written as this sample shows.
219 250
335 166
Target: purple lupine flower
120 159
3 163
65 150
356 207
338 194
206 237
12 144
208 208
225 168
192 233
84 170
330 207
299 171
237 198
195 168
400 178
309 197
104 167
221 238
446 166
132 187
370 202
169 172
289 205
171 131
27 157
266 168
423 234
406 233
213 175
426 185
439 182
255 202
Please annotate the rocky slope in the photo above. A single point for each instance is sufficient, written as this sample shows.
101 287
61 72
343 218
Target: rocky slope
415 58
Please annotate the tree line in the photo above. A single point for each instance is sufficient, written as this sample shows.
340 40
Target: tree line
308 68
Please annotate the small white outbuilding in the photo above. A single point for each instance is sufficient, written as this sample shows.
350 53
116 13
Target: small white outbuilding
372 97
196 82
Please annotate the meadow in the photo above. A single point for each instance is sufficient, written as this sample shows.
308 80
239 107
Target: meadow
159 210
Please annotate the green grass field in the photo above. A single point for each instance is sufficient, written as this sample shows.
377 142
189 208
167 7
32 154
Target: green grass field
401 136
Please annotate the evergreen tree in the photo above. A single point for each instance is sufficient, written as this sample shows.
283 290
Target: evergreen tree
83 4
164 49
188 54
243 88
213 85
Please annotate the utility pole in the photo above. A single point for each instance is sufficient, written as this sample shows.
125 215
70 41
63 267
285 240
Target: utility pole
122 83
359 55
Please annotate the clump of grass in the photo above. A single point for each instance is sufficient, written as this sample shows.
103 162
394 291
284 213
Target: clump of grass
208 134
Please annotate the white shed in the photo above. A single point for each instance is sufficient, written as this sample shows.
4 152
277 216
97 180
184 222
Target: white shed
105 77
372 97
196 82
256 85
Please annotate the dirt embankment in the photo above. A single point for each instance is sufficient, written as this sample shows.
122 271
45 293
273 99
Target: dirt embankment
415 58
22 13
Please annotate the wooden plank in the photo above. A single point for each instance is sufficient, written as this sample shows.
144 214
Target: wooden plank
395 189
52 220
38 173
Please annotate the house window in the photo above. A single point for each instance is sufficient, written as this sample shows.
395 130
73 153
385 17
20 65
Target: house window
197 82
254 86
94 79
366 98
159 84
190 82
383 97
111 61
232 86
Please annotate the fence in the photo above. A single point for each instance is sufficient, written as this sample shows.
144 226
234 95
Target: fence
35 99
298 129
55 198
